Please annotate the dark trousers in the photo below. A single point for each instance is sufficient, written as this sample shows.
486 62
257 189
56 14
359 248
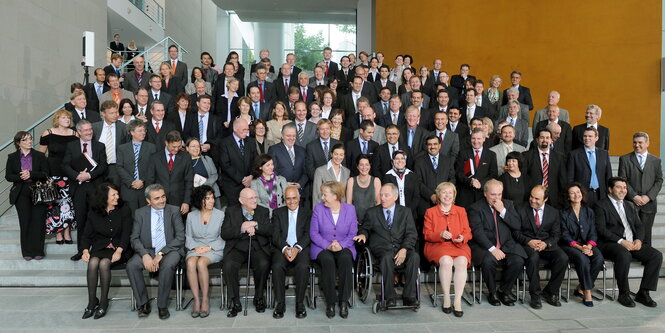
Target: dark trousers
82 194
647 222
512 267
593 196
280 266
336 265
558 262
233 262
587 268
32 221
410 265
166 274
651 258
135 199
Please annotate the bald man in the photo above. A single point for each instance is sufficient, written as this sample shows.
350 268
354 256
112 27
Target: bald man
236 153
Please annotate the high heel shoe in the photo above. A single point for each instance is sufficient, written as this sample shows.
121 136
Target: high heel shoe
447 310
69 241
101 312
588 303
458 314
60 242
88 312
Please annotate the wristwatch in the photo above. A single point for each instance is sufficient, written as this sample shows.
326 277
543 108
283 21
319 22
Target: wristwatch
160 253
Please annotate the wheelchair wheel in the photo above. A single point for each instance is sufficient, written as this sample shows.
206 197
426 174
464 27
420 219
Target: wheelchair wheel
375 307
364 274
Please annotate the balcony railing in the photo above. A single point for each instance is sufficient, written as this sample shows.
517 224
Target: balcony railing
152 9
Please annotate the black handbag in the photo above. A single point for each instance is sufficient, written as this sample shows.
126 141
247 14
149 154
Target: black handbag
44 193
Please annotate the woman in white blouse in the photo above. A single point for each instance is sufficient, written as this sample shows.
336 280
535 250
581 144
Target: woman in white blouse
332 171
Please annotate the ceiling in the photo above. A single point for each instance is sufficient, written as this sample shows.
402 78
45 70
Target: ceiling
293 11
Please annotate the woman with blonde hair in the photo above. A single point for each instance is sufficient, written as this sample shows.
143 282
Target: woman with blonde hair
279 118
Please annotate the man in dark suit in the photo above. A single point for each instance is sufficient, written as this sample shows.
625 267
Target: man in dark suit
620 235
158 240
368 90
142 106
407 97
132 166
457 80
306 92
492 221
85 165
524 92
331 66
645 179
539 235
114 67
305 130
472 110
116 46
291 169
241 222
435 167
260 110
523 110
544 166
565 137
78 100
394 115
111 133
204 126
592 116
361 145
383 155
178 68
591 167
319 78
349 101
474 167
450 145
457 126
267 92
199 90
93 91
172 168
382 107
412 134
138 77
220 87
318 151
416 99
236 153
442 102
155 93
156 127
520 126
344 76
391 233
285 80
290 236
384 82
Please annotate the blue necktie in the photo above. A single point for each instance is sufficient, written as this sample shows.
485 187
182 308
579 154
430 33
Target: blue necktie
201 127
291 237
592 164
364 147
410 139
99 91
241 146
257 110
434 163
389 219
137 148
159 238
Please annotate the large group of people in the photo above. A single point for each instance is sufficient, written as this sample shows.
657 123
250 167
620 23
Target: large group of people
285 172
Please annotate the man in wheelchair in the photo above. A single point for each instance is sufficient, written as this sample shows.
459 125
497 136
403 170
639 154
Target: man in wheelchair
391 232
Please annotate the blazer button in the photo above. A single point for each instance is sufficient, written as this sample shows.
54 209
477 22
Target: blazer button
335 235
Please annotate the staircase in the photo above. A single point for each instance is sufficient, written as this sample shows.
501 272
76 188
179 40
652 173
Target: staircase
56 270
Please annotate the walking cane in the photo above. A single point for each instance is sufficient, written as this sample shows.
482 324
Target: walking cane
249 256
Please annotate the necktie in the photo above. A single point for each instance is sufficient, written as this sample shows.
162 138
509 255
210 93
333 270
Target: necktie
291 235
257 110
434 163
201 127
385 107
327 67
512 122
394 119
409 140
170 162
393 152
157 126
85 147
496 229
304 94
546 171
627 231
261 90
537 217
173 65
292 155
137 148
441 136
141 111
99 91
389 219
241 146
476 159
592 164
326 152
110 145
452 127
286 85
82 114
300 132
159 239
364 147
641 160
156 97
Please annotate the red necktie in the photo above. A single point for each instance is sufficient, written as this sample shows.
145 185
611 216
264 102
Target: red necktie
476 160
496 228
261 90
170 162
157 126
546 171
327 66
304 94
537 217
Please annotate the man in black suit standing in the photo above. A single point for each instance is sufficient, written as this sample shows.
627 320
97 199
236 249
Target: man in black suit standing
645 179
412 134
285 80
178 68
391 232
591 167
305 130
85 164
382 107
289 158
116 46
142 107
435 167
80 104
475 166
620 235
223 78
472 110
344 76
132 166
156 127
394 115
266 89
290 237
306 92
565 138
318 151
236 154
367 89
172 168
383 155
155 93
363 144
457 80
544 166
442 101
493 221
204 126
260 110
112 133
93 91
539 235
242 221
331 66
384 82
457 126
349 102
449 141
592 116
524 92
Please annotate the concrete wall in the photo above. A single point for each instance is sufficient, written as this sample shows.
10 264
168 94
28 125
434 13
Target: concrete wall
41 55
193 24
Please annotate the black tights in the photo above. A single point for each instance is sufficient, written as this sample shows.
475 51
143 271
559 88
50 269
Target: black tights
99 269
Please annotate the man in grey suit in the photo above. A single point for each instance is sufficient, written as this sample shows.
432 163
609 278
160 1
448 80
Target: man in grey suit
132 165
319 77
291 169
173 169
138 77
513 119
178 68
514 94
318 151
505 146
305 130
552 100
379 131
114 83
158 239
260 110
111 133
415 84
449 139
645 179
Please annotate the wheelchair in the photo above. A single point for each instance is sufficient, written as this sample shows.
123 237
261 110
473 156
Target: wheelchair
366 267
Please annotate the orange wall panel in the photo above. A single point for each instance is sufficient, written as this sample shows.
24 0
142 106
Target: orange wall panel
604 52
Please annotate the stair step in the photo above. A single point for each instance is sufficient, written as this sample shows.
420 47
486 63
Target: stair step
13 245
68 278
13 261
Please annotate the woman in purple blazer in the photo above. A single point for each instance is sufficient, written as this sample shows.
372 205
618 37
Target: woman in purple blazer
334 224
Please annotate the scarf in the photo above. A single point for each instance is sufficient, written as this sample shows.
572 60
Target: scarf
271 188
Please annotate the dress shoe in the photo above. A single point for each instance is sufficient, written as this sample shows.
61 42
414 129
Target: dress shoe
391 302
164 313
588 303
535 302
644 298
344 309
76 257
69 241
90 311
300 311
60 242
505 299
493 299
577 293
279 311
260 304
144 310
26 258
625 300
551 299
448 310
196 314
39 257
101 312
204 314
234 310
330 311
409 301
458 314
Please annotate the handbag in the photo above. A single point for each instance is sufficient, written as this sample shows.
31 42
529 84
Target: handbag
44 193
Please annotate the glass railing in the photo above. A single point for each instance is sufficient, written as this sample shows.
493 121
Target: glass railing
154 55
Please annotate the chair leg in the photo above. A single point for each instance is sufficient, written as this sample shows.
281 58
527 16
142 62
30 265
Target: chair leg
436 282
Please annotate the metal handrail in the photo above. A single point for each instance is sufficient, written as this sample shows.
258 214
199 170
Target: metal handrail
165 43
146 6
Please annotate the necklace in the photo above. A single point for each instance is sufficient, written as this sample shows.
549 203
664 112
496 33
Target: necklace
363 182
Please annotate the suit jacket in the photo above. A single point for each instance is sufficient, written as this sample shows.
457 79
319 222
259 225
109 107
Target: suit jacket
294 173
90 115
321 175
384 241
312 82
280 228
642 182
379 134
155 138
13 172
481 220
314 156
353 150
608 223
264 111
164 97
406 101
121 134
131 84
220 86
462 130
174 118
179 182
390 84
565 142
309 134
323 230
233 165
310 95
91 95
479 112
457 81
221 111
233 219
486 170
449 146
416 194
192 131
579 169
445 171
123 94
524 98
74 162
501 151
550 226
181 73
524 112
125 167
109 69
173 88
332 69
582 230
369 91
118 48
380 113
557 179
386 119
344 86
269 93
419 137
521 131
280 88
382 159
603 137
113 228
174 231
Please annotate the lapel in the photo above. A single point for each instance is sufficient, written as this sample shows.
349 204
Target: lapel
633 159
167 225
329 215
532 219
147 226
614 212
286 153
586 158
